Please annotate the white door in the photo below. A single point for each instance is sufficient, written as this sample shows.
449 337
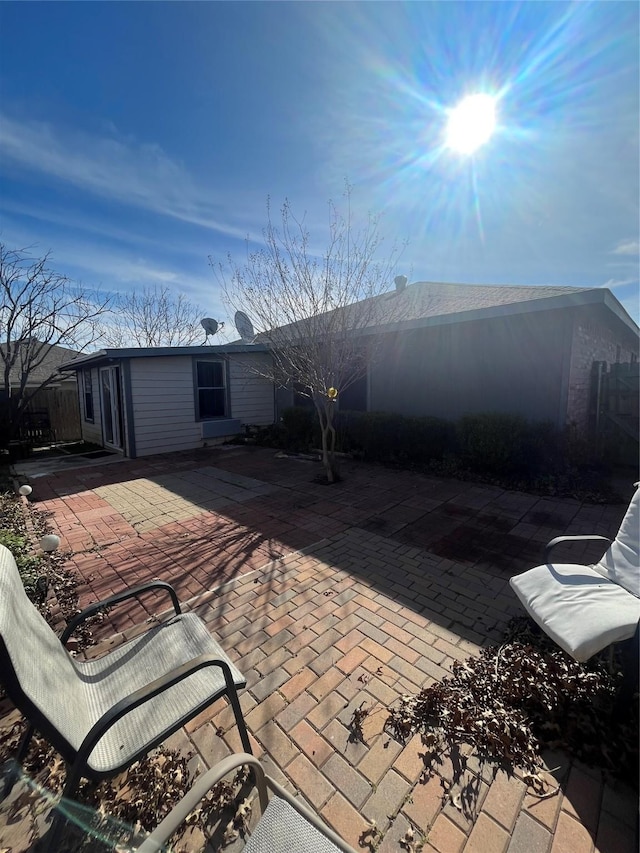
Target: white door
111 406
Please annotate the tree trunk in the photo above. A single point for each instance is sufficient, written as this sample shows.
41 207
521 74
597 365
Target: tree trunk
325 414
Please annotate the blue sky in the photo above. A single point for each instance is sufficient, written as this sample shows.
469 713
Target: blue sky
137 139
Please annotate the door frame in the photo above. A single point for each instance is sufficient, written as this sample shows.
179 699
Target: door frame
112 414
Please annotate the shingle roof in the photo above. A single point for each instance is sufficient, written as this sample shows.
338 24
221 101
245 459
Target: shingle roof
55 356
434 299
426 302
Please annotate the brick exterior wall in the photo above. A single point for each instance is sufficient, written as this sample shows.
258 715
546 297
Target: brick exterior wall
593 340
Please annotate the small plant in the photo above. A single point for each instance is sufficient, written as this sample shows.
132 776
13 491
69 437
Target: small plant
29 566
38 574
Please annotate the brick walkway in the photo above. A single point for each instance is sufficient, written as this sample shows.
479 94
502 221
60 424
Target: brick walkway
339 598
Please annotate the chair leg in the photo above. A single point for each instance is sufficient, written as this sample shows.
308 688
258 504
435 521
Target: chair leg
242 726
51 840
630 659
11 776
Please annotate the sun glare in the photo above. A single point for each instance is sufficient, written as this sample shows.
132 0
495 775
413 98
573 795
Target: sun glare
471 123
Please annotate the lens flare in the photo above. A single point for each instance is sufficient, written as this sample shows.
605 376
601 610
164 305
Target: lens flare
471 123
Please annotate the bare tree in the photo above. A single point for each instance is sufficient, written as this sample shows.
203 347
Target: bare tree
153 318
312 308
39 309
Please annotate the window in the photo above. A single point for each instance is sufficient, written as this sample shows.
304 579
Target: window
211 393
87 390
354 398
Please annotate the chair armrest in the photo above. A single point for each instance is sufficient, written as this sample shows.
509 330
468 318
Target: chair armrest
144 694
589 538
178 814
92 609
155 842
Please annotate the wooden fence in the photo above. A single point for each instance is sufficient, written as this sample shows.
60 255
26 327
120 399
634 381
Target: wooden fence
60 406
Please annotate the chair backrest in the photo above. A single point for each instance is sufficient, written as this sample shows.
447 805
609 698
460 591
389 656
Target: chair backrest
621 563
39 674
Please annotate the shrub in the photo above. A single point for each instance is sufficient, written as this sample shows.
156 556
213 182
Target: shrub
504 449
272 435
28 565
392 438
579 452
501 444
299 426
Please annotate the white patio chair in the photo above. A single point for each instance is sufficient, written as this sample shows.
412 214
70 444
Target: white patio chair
103 714
286 824
586 608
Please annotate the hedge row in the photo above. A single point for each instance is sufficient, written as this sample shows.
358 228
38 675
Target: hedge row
488 443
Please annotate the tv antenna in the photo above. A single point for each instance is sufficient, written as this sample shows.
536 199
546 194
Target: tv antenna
244 326
210 327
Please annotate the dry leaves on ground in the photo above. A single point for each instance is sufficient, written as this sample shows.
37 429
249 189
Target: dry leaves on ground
515 700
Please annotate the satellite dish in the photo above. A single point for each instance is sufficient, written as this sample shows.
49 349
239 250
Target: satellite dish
210 326
244 326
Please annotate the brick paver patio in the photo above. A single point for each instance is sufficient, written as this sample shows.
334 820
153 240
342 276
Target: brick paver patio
332 599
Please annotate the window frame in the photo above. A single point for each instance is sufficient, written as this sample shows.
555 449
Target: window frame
225 387
87 393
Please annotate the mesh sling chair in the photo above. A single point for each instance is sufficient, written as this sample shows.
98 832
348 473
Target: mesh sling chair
285 824
586 608
102 715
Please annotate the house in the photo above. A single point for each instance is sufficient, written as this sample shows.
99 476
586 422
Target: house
436 349
55 405
141 401
450 349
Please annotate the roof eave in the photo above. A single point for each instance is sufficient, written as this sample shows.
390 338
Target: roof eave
108 356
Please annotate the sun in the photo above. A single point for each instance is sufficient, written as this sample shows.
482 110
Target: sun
471 123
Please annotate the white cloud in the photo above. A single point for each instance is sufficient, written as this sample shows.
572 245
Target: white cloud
122 170
76 222
627 247
119 270
612 283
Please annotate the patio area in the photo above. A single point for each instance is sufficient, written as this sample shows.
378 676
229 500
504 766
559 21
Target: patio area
331 599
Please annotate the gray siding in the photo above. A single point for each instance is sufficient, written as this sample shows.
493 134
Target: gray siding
252 396
510 364
163 405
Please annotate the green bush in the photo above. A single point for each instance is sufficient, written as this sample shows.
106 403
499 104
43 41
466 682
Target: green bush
392 438
501 444
299 425
272 435
499 448
28 565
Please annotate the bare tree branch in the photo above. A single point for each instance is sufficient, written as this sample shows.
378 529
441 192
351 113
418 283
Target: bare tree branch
39 309
312 309
153 318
